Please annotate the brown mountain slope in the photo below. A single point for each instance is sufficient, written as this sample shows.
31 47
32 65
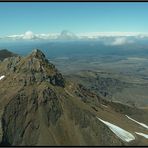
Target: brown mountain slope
39 107
127 89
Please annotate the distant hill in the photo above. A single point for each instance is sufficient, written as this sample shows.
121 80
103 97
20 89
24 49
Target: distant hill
4 53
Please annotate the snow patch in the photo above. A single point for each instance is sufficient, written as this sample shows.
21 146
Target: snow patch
121 133
1 77
142 124
69 93
104 105
141 134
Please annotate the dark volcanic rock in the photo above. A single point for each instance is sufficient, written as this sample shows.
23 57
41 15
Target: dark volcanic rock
4 53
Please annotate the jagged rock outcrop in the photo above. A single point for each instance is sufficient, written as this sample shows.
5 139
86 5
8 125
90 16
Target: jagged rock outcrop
33 68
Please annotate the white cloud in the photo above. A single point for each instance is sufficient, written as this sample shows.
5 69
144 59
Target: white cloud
47 36
110 34
119 41
29 35
13 37
116 41
26 36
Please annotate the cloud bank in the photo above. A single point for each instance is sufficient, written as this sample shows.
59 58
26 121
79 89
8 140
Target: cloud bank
107 38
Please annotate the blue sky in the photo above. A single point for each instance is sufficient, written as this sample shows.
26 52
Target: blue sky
17 18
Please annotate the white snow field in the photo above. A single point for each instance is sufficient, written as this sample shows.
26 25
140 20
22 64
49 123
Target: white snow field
121 133
142 124
141 134
1 77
